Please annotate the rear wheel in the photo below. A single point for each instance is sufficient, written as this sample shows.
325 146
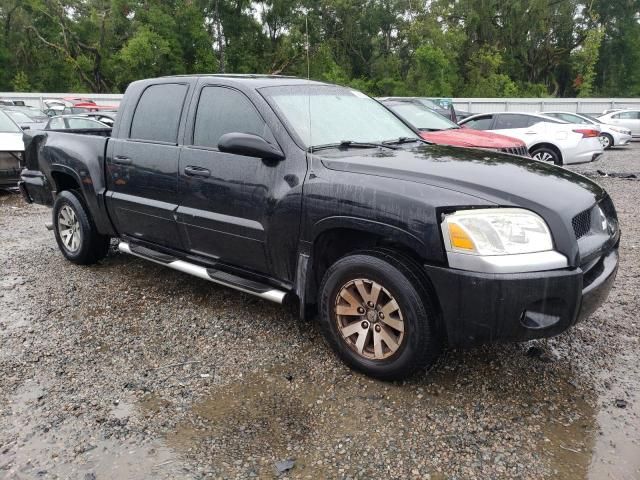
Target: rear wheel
606 140
376 315
76 234
545 154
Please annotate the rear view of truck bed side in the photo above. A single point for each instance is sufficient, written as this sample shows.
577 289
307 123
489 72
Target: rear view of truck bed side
69 160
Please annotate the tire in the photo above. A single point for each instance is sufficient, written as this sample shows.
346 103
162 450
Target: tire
76 234
414 346
545 154
607 141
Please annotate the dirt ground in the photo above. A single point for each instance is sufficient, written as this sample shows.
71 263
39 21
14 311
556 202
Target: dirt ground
126 370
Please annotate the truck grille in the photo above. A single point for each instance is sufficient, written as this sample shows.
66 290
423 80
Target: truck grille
522 151
582 223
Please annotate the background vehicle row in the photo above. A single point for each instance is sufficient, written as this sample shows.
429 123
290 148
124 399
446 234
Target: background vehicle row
547 139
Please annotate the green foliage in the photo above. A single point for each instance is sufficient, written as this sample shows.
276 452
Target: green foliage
585 59
432 73
479 48
20 82
485 78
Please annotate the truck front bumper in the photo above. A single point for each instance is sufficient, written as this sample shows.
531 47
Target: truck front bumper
479 308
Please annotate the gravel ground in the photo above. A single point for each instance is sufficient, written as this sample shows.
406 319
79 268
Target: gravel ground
128 370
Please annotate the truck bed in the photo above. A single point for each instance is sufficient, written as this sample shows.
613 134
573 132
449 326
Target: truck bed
55 158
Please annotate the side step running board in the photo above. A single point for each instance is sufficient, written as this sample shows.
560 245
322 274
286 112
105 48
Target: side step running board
215 276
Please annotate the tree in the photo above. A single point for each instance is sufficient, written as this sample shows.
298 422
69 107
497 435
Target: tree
384 47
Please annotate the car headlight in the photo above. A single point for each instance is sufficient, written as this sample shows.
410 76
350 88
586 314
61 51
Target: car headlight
496 231
620 130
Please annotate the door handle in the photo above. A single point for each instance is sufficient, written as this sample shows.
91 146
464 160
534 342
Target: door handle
121 160
192 171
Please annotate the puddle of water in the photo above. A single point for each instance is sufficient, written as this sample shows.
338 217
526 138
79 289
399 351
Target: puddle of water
35 445
617 447
248 425
568 441
268 412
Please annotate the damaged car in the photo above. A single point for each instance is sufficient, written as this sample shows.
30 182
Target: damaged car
11 151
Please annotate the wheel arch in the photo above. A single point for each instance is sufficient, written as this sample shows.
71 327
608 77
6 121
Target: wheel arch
65 178
610 137
335 237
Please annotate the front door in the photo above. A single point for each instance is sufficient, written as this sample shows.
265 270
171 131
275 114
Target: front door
142 170
229 203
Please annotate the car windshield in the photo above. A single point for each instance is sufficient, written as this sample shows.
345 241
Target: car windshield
421 117
19 117
589 117
7 125
323 115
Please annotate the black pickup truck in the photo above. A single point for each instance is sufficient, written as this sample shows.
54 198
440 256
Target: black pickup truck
318 196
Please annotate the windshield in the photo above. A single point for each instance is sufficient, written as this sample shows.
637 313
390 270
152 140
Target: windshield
337 114
19 117
421 117
430 103
7 126
589 117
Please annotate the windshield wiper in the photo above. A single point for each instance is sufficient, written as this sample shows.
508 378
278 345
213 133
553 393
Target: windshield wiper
401 140
351 144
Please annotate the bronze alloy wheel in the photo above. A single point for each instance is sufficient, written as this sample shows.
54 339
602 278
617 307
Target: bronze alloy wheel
369 319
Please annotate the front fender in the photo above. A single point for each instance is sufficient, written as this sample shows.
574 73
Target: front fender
393 233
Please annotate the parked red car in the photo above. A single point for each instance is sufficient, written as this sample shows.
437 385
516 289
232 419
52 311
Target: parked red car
440 130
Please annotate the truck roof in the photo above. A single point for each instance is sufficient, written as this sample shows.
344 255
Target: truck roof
255 80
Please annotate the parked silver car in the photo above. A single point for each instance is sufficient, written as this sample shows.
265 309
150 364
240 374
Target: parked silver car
610 135
624 118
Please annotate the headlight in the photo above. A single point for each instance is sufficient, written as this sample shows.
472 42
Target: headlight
496 231
620 130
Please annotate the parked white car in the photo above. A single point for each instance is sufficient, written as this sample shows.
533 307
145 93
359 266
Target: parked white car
11 150
624 118
610 135
547 139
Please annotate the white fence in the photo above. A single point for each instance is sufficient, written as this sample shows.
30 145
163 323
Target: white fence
591 106
35 99
473 105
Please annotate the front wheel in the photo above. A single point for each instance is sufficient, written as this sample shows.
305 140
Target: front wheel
606 140
76 234
376 315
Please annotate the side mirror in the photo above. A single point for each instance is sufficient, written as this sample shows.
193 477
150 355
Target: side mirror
26 127
249 145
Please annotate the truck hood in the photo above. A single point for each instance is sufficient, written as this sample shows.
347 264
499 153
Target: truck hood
494 177
11 142
466 137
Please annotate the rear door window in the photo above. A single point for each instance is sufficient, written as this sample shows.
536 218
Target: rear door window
509 122
157 115
480 123
224 110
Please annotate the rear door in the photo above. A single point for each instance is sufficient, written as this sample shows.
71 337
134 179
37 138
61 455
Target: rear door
516 125
142 167
229 203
